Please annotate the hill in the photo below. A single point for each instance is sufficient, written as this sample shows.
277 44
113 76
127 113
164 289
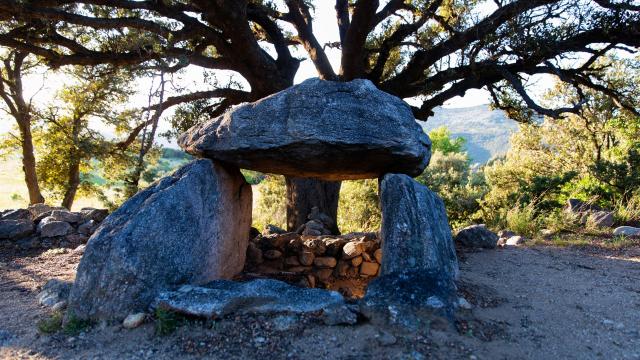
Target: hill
487 131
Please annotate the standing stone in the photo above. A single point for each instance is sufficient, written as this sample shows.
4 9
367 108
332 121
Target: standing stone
415 231
322 129
419 265
188 228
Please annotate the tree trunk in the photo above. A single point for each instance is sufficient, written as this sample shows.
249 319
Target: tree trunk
72 185
29 163
304 193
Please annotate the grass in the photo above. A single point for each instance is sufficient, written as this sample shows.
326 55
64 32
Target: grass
167 322
13 191
51 324
75 326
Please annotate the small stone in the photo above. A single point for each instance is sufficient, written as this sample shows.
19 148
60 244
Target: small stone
366 257
351 250
292 261
369 268
17 214
132 321
97 215
311 280
66 216
515 240
602 219
316 246
353 271
306 258
342 268
80 249
378 255
299 269
50 227
88 227
356 261
59 306
53 292
15 229
324 274
272 254
325 262
464 304
626 231
254 254
477 236
272 229
386 339
278 241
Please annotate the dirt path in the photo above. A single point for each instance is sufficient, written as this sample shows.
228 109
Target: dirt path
529 303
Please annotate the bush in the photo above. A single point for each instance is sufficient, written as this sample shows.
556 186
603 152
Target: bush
359 206
270 202
522 220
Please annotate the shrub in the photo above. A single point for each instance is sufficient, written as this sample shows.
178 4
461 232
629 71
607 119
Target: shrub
51 324
522 220
359 206
270 202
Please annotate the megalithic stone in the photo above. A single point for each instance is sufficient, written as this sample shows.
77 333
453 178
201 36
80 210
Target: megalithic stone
191 227
320 129
419 265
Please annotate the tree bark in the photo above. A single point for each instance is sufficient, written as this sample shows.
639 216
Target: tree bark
72 185
29 162
304 193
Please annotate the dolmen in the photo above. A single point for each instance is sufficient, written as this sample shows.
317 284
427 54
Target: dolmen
192 228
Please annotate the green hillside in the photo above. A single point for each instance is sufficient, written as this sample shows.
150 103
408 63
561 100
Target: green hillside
487 131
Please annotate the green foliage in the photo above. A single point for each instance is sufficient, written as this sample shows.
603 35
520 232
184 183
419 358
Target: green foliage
522 220
167 321
51 324
451 176
253 177
359 206
74 325
270 203
592 156
442 141
69 147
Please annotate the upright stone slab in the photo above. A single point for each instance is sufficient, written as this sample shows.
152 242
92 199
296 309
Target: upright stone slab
188 228
321 129
419 264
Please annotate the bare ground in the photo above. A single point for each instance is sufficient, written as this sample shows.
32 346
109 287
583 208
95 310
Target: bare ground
528 303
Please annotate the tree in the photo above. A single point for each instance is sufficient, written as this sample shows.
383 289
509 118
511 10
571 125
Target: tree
432 50
70 145
15 65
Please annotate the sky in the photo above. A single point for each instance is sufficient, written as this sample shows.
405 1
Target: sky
325 29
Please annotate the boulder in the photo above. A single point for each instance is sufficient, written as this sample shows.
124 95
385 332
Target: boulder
53 292
262 296
601 219
97 215
16 214
66 216
477 236
50 227
626 231
15 229
415 231
419 265
188 228
320 129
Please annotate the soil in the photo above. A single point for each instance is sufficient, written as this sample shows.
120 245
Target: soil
528 303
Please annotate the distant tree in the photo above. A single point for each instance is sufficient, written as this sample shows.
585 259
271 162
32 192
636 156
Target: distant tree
442 141
432 50
70 145
15 65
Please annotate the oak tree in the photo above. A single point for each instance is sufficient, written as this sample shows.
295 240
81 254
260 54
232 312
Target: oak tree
430 50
